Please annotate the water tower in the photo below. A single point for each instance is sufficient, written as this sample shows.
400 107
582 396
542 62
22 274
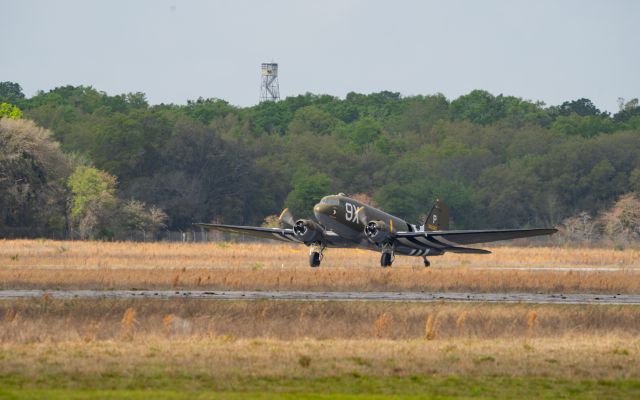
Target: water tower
269 88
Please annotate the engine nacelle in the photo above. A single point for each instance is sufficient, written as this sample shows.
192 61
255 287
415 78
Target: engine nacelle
377 231
308 231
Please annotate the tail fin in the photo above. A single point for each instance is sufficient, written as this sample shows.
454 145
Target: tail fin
438 218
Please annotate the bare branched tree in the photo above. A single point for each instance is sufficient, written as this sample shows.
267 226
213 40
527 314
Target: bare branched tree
622 222
32 174
581 228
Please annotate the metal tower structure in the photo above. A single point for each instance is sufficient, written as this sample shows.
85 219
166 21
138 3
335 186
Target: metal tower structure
269 87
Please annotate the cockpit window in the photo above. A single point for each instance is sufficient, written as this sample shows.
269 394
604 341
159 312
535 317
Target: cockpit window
330 201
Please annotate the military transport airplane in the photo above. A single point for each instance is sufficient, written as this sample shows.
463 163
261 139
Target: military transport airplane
345 222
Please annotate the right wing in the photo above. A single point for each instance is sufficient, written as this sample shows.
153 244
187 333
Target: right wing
285 235
447 239
454 240
484 236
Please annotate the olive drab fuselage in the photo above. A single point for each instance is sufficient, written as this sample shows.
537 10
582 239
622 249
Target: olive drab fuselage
339 214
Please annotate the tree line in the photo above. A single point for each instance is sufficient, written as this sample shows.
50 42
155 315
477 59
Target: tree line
79 162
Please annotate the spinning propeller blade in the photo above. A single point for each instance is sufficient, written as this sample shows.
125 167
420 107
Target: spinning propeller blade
361 215
287 217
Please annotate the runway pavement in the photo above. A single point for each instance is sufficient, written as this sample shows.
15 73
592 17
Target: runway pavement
536 298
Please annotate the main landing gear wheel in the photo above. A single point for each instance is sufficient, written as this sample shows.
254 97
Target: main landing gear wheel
386 260
426 262
314 259
315 254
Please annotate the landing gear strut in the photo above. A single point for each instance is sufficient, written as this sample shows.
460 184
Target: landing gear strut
387 256
426 262
315 254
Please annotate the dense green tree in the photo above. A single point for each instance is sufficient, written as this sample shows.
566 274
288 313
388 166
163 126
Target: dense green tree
274 117
308 189
479 106
586 126
582 107
84 98
312 119
498 161
205 110
420 113
127 145
94 203
10 111
376 105
361 133
11 92
403 200
200 177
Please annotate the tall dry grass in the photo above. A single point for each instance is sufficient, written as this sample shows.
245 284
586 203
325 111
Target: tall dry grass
464 279
254 266
92 339
68 341
24 321
96 255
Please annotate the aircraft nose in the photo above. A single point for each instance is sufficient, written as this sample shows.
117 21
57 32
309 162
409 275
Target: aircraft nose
321 209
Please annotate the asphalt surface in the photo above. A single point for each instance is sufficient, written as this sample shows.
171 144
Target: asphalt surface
537 298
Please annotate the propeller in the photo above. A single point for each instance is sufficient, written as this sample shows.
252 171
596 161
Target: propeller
287 217
300 228
361 215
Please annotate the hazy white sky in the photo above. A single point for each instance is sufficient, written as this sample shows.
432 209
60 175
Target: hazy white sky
177 50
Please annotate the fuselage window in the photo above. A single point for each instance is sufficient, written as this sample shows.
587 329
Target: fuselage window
331 202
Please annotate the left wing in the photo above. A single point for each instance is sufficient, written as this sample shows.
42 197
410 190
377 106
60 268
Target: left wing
285 235
452 240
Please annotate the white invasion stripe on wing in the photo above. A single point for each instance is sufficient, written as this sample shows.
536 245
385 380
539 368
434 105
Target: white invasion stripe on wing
426 241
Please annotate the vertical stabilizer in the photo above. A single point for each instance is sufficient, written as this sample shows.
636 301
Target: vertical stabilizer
438 218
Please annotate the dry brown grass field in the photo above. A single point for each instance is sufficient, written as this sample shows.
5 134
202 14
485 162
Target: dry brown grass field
45 264
47 319
187 348
489 350
580 357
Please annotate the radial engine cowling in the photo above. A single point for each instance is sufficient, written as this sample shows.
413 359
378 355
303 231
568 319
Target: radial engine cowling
308 231
377 231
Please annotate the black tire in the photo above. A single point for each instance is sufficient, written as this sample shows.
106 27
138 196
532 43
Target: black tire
427 263
385 260
314 259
